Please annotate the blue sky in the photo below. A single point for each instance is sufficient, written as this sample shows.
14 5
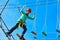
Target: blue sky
46 18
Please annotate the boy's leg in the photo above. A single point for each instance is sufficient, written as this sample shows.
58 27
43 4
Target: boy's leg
24 31
12 29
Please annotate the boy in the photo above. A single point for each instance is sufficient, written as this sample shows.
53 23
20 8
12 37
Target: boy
21 21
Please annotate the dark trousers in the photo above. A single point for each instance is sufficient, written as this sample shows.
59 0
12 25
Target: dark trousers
16 26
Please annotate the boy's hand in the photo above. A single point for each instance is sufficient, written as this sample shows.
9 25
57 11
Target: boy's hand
24 6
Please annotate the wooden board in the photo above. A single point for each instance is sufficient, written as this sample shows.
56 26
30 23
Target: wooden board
20 37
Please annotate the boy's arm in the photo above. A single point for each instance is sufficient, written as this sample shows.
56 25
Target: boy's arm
32 18
21 11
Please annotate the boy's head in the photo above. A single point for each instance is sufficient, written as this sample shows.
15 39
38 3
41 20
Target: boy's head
28 11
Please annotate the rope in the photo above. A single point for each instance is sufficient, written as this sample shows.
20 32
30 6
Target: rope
18 8
3 20
4 7
35 16
35 38
13 6
34 32
45 20
57 24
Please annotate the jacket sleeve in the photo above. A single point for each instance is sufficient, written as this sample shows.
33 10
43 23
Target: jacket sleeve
21 11
31 18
